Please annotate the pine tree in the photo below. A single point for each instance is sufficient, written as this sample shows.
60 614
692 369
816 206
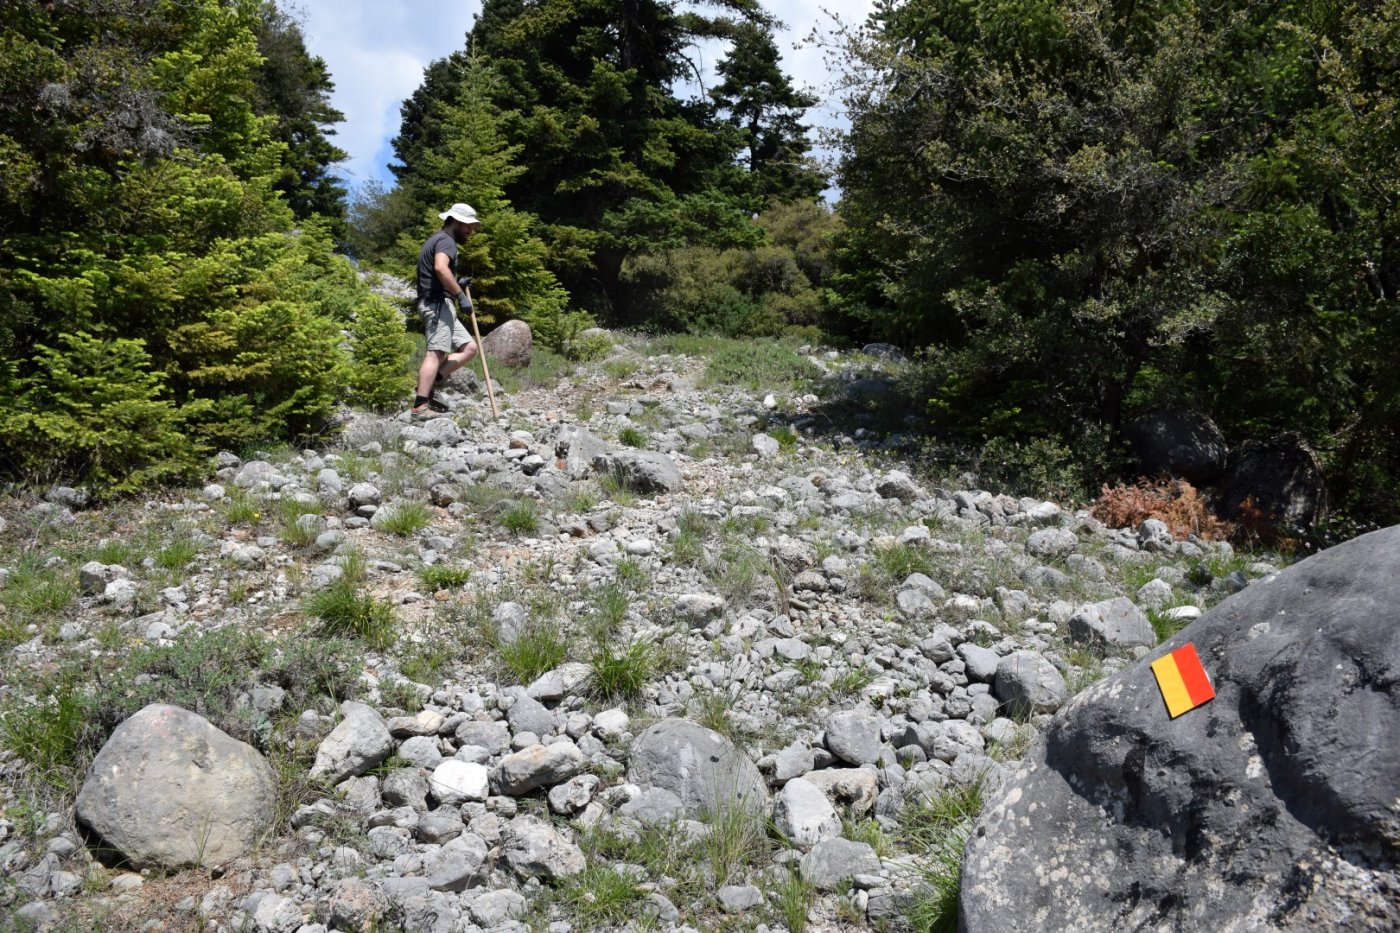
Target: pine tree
763 104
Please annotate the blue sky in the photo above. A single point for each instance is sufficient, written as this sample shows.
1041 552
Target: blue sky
377 50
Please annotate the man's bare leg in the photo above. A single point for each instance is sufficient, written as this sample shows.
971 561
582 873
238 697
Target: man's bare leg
456 361
427 372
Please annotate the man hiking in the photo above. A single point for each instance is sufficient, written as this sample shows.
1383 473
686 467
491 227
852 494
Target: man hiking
439 297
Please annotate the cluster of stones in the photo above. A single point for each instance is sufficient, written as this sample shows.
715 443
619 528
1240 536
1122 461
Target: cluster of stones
492 786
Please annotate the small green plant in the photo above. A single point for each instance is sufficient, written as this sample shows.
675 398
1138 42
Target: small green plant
759 364
177 555
405 518
632 437
521 518
582 497
241 508
345 611
851 682
737 841
610 605
601 897
120 551
444 577
400 694
938 825
631 575
621 674
621 369
785 436
47 734
539 648
615 489
792 898
712 708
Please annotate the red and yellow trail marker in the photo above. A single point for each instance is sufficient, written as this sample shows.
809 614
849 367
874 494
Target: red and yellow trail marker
1182 680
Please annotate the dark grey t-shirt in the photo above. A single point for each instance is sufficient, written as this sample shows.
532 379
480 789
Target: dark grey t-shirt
429 285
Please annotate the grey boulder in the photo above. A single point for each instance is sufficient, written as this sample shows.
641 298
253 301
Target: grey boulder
1027 683
854 737
359 742
510 344
535 849
1115 622
835 861
700 766
1270 807
169 789
641 471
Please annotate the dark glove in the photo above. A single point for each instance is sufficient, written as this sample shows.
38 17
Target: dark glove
464 300
465 281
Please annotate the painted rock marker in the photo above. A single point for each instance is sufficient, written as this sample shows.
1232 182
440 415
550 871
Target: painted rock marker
1182 680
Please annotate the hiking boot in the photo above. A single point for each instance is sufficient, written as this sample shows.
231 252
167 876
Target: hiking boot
423 412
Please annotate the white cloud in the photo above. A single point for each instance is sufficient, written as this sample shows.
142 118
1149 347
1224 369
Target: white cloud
377 49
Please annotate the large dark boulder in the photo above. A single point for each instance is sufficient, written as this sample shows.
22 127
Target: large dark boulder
1274 806
1277 482
1179 443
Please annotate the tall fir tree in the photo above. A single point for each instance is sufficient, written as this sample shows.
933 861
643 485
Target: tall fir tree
762 103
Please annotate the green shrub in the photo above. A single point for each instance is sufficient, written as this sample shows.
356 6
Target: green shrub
444 577
375 377
632 437
96 410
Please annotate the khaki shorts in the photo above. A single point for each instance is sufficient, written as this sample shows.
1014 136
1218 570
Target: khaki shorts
440 325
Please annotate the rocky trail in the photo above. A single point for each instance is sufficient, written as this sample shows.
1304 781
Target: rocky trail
650 652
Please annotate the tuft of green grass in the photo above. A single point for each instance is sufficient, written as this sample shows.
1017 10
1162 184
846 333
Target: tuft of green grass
852 682
711 708
785 436
521 518
444 577
601 898
759 364
632 437
621 369
937 826
737 842
581 498
345 611
610 604
540 648
47 734
405 518
616 490
177 555
792 897
621 674
240 509
119 551
632 575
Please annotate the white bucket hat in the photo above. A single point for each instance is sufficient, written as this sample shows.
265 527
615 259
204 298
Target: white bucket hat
464 213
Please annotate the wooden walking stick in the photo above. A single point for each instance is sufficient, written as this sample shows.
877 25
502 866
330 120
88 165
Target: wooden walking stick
481 349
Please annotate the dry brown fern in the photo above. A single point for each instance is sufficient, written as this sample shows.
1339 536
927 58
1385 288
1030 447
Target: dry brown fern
1173 501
